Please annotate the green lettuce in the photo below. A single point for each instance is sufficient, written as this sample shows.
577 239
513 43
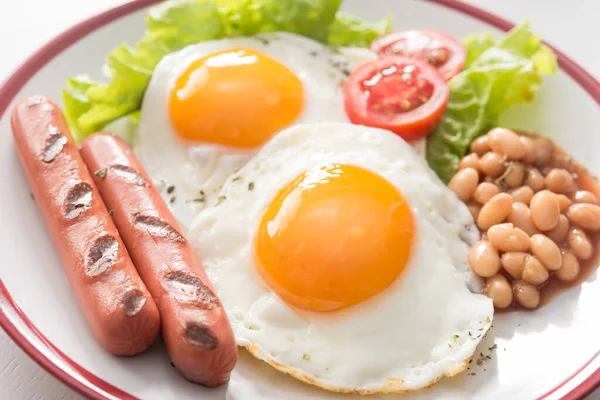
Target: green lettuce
348 30
174 24
497 75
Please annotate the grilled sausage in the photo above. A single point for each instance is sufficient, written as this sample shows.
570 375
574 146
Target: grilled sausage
195 327
111 295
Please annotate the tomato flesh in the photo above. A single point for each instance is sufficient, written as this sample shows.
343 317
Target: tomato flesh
393 91
397 93
436 48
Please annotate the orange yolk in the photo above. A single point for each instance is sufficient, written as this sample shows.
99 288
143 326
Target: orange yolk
237 98
334 237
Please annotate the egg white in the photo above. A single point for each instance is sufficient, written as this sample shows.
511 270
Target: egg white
424 326
197 170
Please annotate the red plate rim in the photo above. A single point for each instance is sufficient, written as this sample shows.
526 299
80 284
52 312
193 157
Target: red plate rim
22 331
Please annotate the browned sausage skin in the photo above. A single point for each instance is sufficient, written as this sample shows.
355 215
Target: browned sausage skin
117 306
195 327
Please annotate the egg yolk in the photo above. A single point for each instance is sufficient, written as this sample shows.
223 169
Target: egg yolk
237 98
334 237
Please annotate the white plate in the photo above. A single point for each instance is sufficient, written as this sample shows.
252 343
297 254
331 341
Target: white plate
552 353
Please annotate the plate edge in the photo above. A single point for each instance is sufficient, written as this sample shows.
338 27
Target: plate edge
10 88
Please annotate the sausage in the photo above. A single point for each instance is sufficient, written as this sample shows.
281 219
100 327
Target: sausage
195 328
111 295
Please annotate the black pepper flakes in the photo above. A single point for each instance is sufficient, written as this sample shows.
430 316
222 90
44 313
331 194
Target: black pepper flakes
111 213
251 186
170 189
263 40
172 199
101 173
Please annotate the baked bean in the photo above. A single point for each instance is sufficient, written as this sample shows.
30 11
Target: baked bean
530 152
492 164
544 151
520 216
534 272
580 244
585 215
559 234
513 263
513 176
535 179
470 161
522 194
494 211
583 196
498 289
463 184
570 266
484 192
562 161
480 145
474 208
544 210
546 251
527 295
563 202
484 259
505 237
505 141
559 180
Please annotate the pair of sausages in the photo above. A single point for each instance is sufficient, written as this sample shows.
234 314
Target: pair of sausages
131 270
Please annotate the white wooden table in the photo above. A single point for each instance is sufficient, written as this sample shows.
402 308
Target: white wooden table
27 24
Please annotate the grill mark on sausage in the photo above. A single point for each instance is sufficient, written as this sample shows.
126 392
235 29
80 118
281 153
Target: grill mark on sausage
188 288
54 144
53 129
34 101
157 227
102 255
200 336
128 174
132 302
79 199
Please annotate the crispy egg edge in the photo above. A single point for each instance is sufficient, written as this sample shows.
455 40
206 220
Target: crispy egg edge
392 385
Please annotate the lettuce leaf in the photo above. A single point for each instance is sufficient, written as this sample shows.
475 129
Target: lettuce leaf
175 24
347 30
497 75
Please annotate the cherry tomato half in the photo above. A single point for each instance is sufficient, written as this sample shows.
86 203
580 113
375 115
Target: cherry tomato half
439 49
401 94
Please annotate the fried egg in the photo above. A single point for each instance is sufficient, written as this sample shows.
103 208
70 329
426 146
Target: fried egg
211 106
341 259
